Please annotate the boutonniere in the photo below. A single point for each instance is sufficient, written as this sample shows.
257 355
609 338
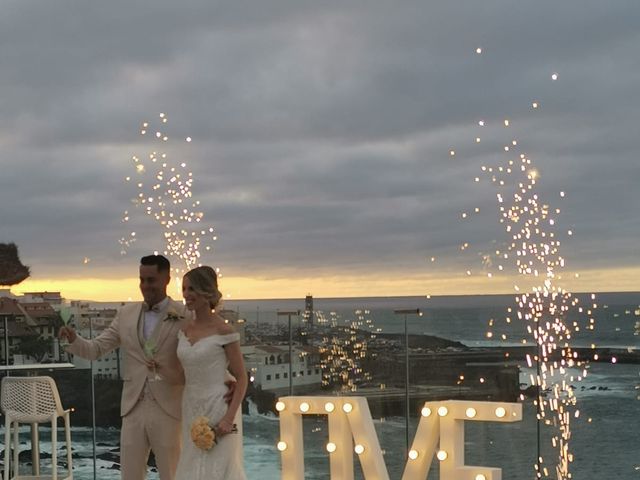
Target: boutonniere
173 316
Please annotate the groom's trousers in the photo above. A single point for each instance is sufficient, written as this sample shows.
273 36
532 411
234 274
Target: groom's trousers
147 427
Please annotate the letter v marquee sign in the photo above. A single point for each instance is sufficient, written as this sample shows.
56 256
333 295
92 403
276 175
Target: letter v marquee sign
440 433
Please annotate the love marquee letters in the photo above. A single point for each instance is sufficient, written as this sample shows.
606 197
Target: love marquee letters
440 432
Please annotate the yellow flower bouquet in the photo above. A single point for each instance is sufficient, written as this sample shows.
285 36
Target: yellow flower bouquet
203 435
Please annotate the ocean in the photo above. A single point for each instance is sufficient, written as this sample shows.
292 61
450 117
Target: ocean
605 436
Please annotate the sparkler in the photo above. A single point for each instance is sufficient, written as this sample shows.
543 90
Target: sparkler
535 247
165 193
533 250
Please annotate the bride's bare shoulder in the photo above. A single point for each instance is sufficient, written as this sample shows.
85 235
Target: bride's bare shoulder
226 329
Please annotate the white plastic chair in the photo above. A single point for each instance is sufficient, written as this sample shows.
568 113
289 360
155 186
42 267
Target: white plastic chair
33 400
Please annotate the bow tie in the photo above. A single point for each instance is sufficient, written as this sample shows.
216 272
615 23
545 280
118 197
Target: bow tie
155 308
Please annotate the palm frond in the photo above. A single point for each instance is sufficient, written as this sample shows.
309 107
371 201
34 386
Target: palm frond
12 271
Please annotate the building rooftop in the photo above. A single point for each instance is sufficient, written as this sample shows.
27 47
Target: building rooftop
9 306
271 348
40 312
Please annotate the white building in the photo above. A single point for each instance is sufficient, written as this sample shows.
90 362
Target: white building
6 293
269 366
52 298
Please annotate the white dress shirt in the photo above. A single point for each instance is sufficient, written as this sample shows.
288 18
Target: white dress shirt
151 317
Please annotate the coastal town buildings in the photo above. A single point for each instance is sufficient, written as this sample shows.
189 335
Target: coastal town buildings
38 315
32 321
16 327
44 318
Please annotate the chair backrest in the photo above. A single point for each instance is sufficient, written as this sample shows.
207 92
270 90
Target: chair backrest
32 399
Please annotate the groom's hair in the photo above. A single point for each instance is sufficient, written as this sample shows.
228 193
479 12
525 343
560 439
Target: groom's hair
158 260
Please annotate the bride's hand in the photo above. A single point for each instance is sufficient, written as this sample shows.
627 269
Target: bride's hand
225 426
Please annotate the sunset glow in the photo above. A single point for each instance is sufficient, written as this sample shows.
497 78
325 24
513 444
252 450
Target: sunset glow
335 285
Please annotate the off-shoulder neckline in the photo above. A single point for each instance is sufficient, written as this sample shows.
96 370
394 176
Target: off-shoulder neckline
184 335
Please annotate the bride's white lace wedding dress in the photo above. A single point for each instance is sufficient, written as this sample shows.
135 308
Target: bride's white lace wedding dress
205 365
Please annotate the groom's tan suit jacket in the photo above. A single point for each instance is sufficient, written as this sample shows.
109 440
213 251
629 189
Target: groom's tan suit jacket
125 332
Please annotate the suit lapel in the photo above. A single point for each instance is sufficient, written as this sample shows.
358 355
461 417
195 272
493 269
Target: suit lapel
163 328
140 328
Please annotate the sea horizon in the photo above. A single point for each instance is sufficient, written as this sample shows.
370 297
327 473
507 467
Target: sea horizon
406 301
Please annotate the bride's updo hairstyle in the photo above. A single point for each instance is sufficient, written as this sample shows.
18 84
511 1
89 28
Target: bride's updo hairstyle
204 281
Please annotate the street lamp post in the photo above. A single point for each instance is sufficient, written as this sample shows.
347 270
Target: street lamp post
405 313
6 339
289 314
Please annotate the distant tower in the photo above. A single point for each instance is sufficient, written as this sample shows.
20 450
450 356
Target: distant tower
308 309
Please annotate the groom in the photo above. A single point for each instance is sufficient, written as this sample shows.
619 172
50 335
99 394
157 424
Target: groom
151 404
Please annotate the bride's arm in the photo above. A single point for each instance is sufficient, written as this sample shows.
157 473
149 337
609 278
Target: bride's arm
236 367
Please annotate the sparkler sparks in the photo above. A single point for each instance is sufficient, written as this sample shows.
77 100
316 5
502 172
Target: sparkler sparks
164 192
547 310
534 248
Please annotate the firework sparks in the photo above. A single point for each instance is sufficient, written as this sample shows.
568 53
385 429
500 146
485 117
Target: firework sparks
534 248
532 251
165 193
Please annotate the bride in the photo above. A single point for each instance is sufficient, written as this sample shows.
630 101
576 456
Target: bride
211 430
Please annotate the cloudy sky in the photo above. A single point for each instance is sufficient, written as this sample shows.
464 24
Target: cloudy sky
322 138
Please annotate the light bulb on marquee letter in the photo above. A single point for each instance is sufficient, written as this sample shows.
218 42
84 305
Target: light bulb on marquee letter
331 447
413 454
304 407
480 476
426 411
282 446
442 411
500 412
347 407
329 407
359 449
280 406
442 455
471 412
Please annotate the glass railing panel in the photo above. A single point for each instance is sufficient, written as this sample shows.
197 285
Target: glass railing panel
261 430
90 389
606 437
350 348
606 397
29 349
458 351
76 393
106 384
510 447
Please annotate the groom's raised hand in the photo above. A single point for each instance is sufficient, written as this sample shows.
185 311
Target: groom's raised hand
68 333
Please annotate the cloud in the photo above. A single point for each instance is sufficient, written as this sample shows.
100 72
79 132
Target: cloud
321 131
